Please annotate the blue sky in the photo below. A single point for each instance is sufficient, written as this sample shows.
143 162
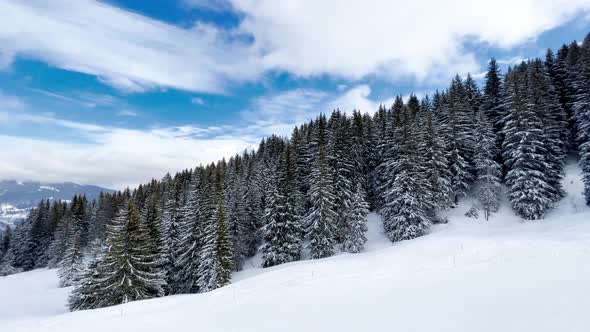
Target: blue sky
116 92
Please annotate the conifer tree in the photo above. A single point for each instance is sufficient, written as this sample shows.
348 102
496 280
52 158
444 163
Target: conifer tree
339 159
492 104
322 217
58 246
488 171
171 221
388 149
91 294
5 238
152 215
215 265
189 248
405 212
524 152
237 213
7 264
458 122
543 99
253 206
359 150
7 257
71 265
127 271
301 169
371 160
40 234
560 72
283 232
354 235
24 256
581 108
436 165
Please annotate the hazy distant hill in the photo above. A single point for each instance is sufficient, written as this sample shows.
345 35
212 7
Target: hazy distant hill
17 198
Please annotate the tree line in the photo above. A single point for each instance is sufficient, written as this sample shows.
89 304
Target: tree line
308 195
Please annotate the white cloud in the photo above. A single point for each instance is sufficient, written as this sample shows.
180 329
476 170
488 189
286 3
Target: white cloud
126 50
90 100
86 99
422 38
127 112
110 156
515 60
197 101
357 98
8 102
6 59
117 157
349 39
108 162
281 112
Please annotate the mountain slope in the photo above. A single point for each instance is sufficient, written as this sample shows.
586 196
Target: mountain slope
468 275
17 198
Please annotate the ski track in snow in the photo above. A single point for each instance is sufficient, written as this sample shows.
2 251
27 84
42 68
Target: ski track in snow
468 275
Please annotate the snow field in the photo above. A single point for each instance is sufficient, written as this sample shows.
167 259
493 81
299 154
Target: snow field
468 275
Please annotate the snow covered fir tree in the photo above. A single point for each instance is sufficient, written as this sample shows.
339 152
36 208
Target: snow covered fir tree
308 195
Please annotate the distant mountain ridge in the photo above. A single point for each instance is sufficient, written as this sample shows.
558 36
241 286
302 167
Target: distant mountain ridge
18 197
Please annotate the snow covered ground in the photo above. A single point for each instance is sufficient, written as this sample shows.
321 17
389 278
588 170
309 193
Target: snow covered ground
468 275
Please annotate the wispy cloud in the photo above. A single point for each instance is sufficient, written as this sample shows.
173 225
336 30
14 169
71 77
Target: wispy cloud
126 50
136 53
110 156
127 112
279 113
424 40
63 97
197 101
90 100
512 60
115 156
6 58
8 102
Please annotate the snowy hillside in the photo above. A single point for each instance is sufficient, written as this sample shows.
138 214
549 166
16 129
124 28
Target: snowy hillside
10 214
468 275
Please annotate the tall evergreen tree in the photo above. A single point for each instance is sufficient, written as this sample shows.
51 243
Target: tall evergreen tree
71 265
7 257
436 166
127 271
216 255
405 212
543 99
492 104
524 152
189 248
238 222
359 151
322 217
171 221
340 161
457 123
581 108
91 294
354 235
487 169
283 232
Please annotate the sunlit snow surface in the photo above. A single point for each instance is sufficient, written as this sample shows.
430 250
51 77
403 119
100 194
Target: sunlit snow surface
468 275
